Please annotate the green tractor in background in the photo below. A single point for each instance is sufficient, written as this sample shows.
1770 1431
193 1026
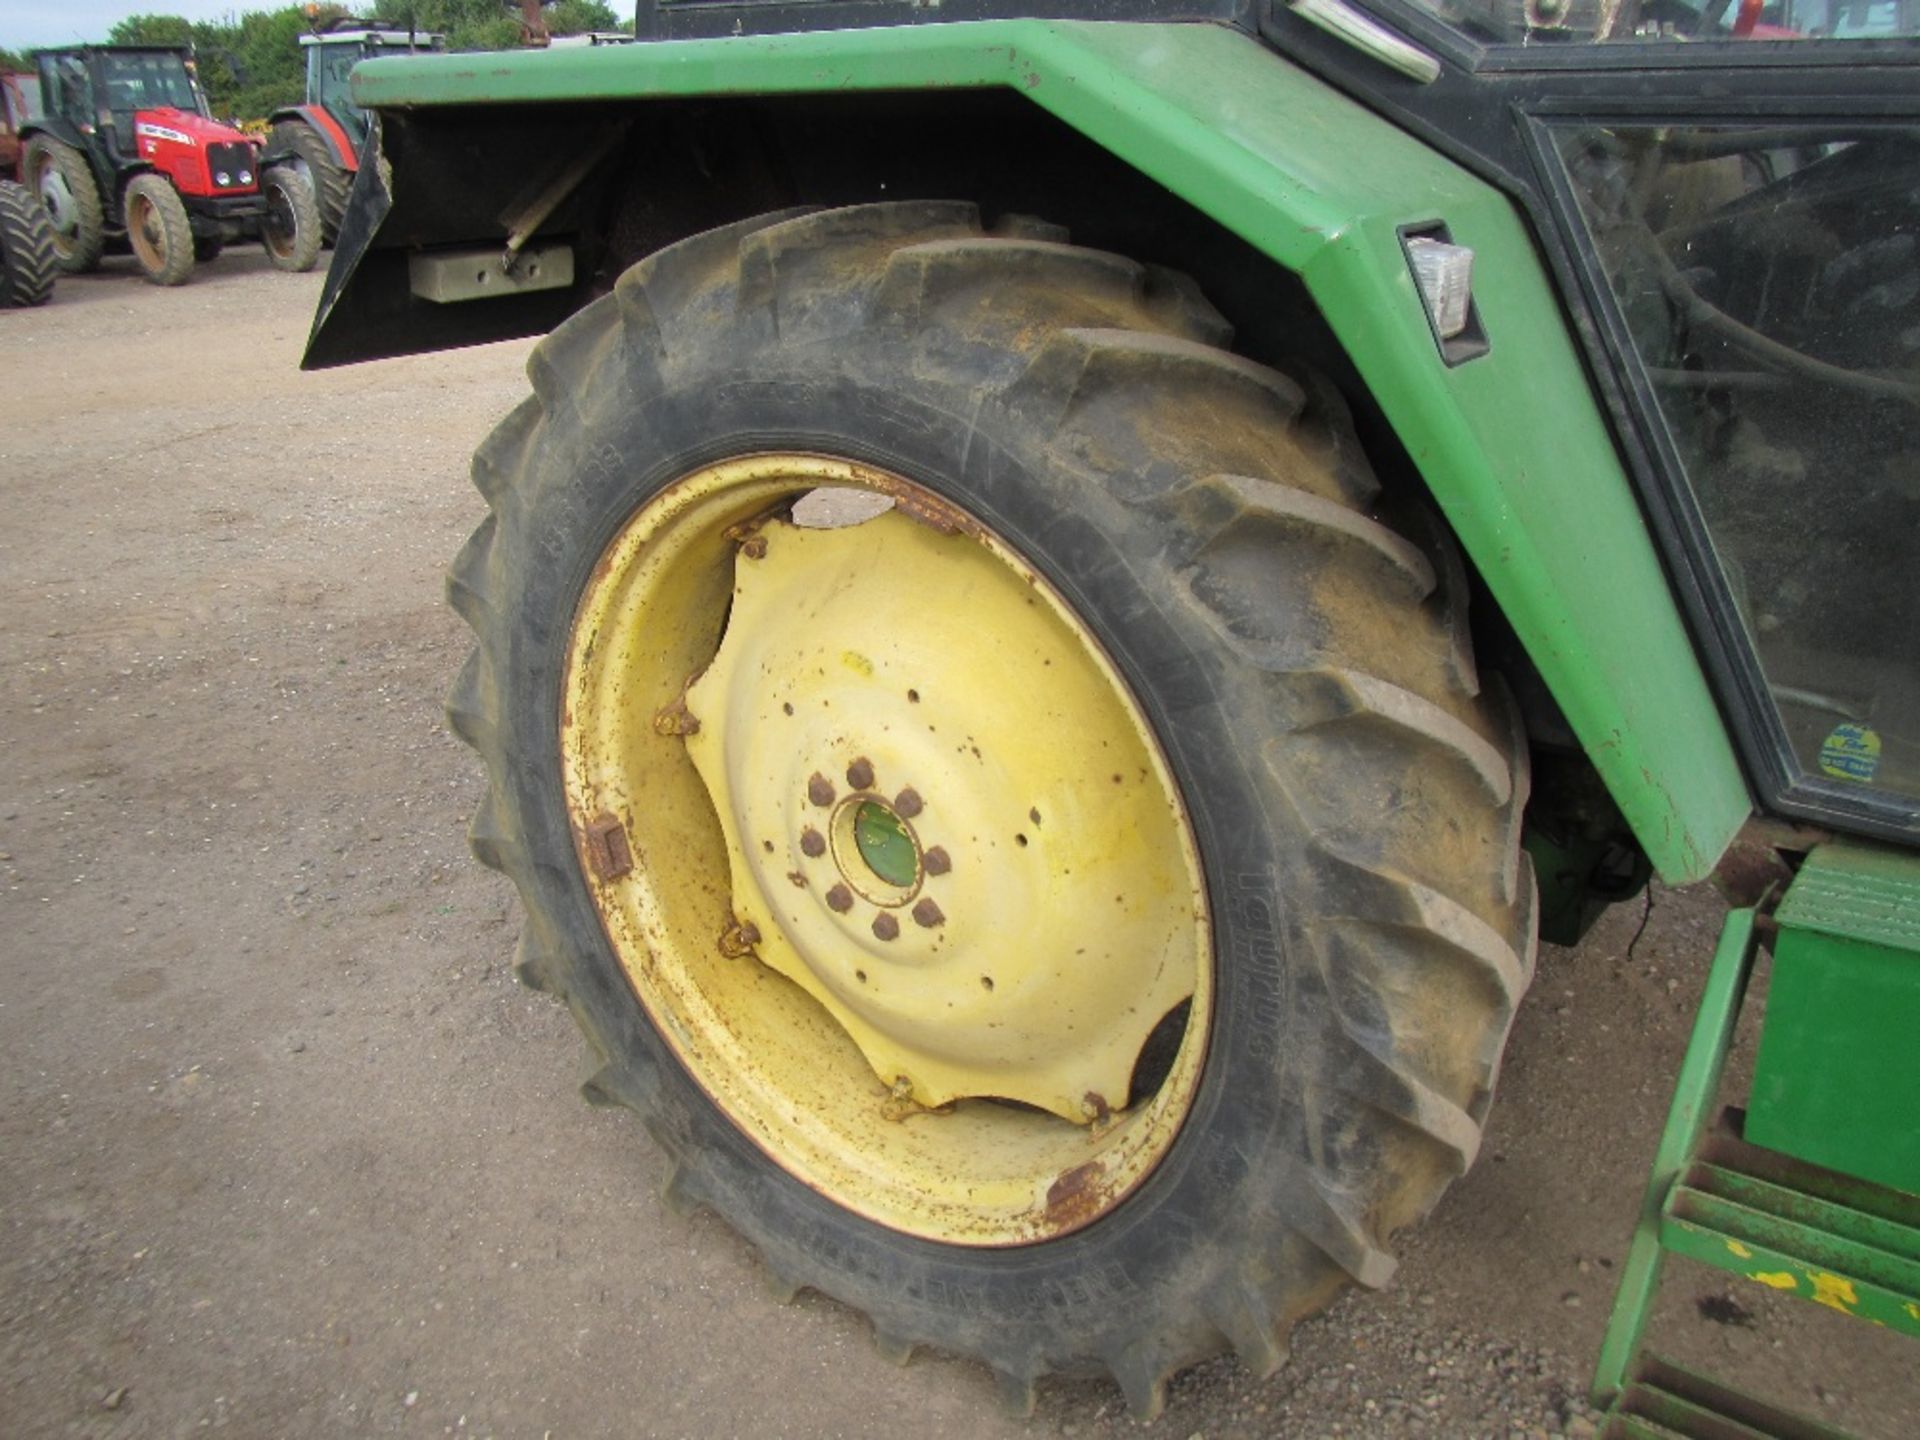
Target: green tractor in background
322 136
1071 598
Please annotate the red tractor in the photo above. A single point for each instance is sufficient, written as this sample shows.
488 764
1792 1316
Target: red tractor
127 148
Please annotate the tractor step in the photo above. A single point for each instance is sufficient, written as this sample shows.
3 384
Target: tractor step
1850 1244
1664 1401
1840 1242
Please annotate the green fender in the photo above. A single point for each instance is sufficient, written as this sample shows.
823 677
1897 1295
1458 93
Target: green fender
1533 487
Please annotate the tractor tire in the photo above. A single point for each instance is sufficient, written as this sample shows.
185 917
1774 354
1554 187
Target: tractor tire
332 181
1062 425
291 230
28 260
59 176
158 230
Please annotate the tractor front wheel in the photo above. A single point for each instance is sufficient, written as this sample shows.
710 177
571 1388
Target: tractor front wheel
158 230
1022 832
291 229
59 177
28 260
331 180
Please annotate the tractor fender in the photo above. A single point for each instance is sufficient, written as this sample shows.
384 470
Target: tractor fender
316 118
56 128
1511 442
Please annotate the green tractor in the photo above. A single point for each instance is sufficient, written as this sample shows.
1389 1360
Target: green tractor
1073 595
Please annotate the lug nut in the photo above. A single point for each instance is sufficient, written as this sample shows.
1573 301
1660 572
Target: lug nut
737 940
820 789
885 926
927 914
756 548
676 719
860 774
840 899
812 843
907 803
937 861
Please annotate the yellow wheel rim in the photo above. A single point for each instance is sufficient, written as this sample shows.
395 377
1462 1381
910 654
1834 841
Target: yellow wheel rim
886 849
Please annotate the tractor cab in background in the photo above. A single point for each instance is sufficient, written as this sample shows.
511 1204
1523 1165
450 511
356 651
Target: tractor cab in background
322 136
127 149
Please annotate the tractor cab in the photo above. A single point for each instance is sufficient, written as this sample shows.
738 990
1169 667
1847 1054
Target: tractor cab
332 54
322 137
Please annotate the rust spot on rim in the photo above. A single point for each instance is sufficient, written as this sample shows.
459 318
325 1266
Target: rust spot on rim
1076 1197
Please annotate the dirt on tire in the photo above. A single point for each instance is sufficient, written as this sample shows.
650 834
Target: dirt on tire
289 1153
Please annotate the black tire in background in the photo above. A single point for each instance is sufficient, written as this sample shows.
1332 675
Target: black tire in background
331 180
1354 792
290 230
28 261
207 248
82 237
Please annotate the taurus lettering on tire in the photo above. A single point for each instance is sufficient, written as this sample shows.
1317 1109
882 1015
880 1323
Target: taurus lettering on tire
1026 838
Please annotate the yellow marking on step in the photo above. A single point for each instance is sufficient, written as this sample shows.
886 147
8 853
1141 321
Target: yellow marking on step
1738 1249
1778 1279
1833 1291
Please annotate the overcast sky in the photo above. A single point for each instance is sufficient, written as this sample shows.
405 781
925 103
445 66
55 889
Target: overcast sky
26 23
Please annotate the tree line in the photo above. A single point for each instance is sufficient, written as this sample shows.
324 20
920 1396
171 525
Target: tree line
251 65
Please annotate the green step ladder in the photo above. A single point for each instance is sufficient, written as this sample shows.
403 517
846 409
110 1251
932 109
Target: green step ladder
1835 1239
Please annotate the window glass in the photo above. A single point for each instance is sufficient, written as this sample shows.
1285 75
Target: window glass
147 82
1532 22
1770 281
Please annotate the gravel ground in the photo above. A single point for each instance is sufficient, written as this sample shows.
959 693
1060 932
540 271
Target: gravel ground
288 1153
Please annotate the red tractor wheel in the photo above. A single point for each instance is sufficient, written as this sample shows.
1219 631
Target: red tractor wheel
291 229
59 178
158 230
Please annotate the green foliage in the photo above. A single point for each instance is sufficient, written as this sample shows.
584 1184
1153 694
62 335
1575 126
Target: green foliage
493 24
577 17
15 62
151 30
252 65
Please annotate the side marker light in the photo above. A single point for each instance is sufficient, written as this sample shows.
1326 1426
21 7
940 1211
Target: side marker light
1444 275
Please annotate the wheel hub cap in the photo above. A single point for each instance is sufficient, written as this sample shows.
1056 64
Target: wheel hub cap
58 201
885 692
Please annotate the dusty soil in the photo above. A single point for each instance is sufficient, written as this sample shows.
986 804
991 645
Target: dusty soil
284 1149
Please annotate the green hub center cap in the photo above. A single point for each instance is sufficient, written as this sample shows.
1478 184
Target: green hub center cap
885 845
